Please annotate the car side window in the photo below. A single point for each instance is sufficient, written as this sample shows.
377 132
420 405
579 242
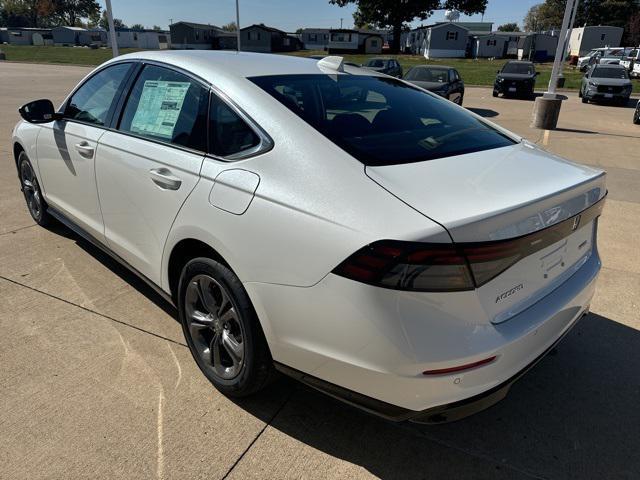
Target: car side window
92 102
167 106
229 134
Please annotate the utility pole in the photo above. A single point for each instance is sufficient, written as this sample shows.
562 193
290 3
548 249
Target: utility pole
546 109
341 23
238 24
112 30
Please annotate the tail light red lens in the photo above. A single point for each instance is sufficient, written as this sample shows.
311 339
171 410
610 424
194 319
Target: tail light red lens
436 267
409 266
424 267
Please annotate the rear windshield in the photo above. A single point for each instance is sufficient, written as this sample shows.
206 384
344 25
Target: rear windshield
382 121
375 63
521 68
421 74
601 72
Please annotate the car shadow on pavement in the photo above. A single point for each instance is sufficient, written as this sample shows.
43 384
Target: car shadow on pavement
575 415
125 274
592 132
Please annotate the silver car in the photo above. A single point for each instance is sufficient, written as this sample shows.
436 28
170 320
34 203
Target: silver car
606 82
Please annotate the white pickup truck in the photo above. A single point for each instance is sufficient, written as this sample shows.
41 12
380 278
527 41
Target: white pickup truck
631 60
606 55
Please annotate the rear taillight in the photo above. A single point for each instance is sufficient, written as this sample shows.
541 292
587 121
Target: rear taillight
409 266
437 267
425 267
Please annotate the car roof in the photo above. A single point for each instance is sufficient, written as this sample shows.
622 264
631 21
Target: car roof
212 64
523 62
443 67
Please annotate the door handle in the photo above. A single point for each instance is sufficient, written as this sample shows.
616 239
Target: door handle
164 179
85 149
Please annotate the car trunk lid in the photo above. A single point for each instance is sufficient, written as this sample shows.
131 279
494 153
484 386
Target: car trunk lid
490 198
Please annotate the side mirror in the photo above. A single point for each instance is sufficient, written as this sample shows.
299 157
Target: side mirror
38 111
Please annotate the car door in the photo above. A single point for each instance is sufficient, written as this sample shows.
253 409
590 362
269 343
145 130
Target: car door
66 148
147 167
455 91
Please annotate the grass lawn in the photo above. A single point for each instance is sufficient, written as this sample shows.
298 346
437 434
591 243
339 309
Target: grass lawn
74 55
474 72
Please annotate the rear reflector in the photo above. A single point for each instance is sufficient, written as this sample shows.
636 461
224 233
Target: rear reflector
468 366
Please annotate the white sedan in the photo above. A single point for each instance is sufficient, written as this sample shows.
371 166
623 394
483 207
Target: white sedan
341 226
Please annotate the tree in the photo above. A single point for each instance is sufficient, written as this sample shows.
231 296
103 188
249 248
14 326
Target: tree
395 14
27 13
157 28
93 20
548 15
230 27
104 23
509 27
137 26
70 12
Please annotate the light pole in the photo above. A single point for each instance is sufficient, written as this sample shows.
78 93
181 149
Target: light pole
546 109
112 30
238 24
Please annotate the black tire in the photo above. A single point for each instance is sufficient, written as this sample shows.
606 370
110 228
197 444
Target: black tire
232 377
495 93
30 187
580 93
585 99
636 116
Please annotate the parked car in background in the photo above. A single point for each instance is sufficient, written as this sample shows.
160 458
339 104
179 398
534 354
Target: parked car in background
604 56
606 82
444 81
341 226
388 66
630 59
516 78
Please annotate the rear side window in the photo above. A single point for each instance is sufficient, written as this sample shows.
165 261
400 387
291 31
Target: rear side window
167 106
382 121
92 102
229 134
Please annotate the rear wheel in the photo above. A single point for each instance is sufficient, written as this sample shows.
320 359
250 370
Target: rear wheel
222 329
32 193
636 116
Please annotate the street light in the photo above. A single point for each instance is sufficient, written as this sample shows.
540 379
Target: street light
112 30
238 24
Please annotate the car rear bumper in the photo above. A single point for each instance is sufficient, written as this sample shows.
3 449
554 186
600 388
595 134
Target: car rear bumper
369 346
520 88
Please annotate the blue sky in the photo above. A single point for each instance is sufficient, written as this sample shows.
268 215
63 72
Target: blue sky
284 14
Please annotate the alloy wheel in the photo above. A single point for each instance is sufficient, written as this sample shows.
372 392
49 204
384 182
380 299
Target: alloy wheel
215 327
31 189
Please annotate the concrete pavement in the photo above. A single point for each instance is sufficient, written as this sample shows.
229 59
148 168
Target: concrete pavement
96 380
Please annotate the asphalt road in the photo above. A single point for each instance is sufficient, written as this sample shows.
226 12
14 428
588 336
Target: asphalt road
95 379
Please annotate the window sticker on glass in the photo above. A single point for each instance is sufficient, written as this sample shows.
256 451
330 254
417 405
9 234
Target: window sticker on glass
159 108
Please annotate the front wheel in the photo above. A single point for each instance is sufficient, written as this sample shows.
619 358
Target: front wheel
222 329
495 93
636 116
32 193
